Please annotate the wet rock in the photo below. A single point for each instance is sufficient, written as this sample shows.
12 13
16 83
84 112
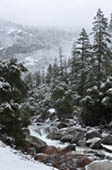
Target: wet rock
73 130
36 142
72 123
81 143
107 147
53 116
94 154
52 129
62 125
110 124
107 139
27 132
93 134
100 165
78 136
42 158
67 138
69 148
54 135
69 134
94 143
31 150
6 139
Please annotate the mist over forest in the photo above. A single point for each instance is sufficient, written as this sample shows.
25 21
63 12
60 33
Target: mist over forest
55 85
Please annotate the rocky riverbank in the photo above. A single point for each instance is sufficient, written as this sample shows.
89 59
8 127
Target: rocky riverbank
67 145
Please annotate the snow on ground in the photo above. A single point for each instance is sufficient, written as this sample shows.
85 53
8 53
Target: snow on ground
51 110
12 160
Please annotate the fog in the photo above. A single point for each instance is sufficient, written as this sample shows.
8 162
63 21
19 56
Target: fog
53 13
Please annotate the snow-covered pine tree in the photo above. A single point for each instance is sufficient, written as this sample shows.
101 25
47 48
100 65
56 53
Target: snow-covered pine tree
12 92
102 55
49 74
80 62
38 78
96 107
61 61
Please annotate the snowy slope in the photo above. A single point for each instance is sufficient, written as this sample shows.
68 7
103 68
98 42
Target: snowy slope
11 160
34 46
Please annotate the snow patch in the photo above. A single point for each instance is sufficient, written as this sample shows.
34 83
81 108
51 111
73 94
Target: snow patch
52 111
12 30
11 160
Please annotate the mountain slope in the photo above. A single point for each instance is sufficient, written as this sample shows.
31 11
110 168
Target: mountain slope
36 47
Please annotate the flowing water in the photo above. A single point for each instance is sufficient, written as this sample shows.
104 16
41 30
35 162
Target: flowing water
41 131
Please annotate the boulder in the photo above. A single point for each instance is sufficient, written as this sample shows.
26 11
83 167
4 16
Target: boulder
94 143
78 136
95 154
72 130
110 124
67 138
42 158
62 125
81 143
36 142
31 150
107 139
107 147
100 165
54 135
69 148
93 134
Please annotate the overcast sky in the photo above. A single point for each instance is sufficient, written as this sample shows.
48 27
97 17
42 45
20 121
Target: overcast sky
51 13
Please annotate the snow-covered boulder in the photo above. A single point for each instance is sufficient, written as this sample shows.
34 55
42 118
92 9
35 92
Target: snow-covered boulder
94 143
107 147
93 133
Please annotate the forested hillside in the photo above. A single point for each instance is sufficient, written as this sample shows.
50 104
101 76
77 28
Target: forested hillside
61 115
36 47
82 84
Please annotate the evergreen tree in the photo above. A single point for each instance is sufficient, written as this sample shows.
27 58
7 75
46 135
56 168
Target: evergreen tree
102 56
38 78
96 107
12 92
61 61
43 76
55 70
80 62
49 74
28 80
